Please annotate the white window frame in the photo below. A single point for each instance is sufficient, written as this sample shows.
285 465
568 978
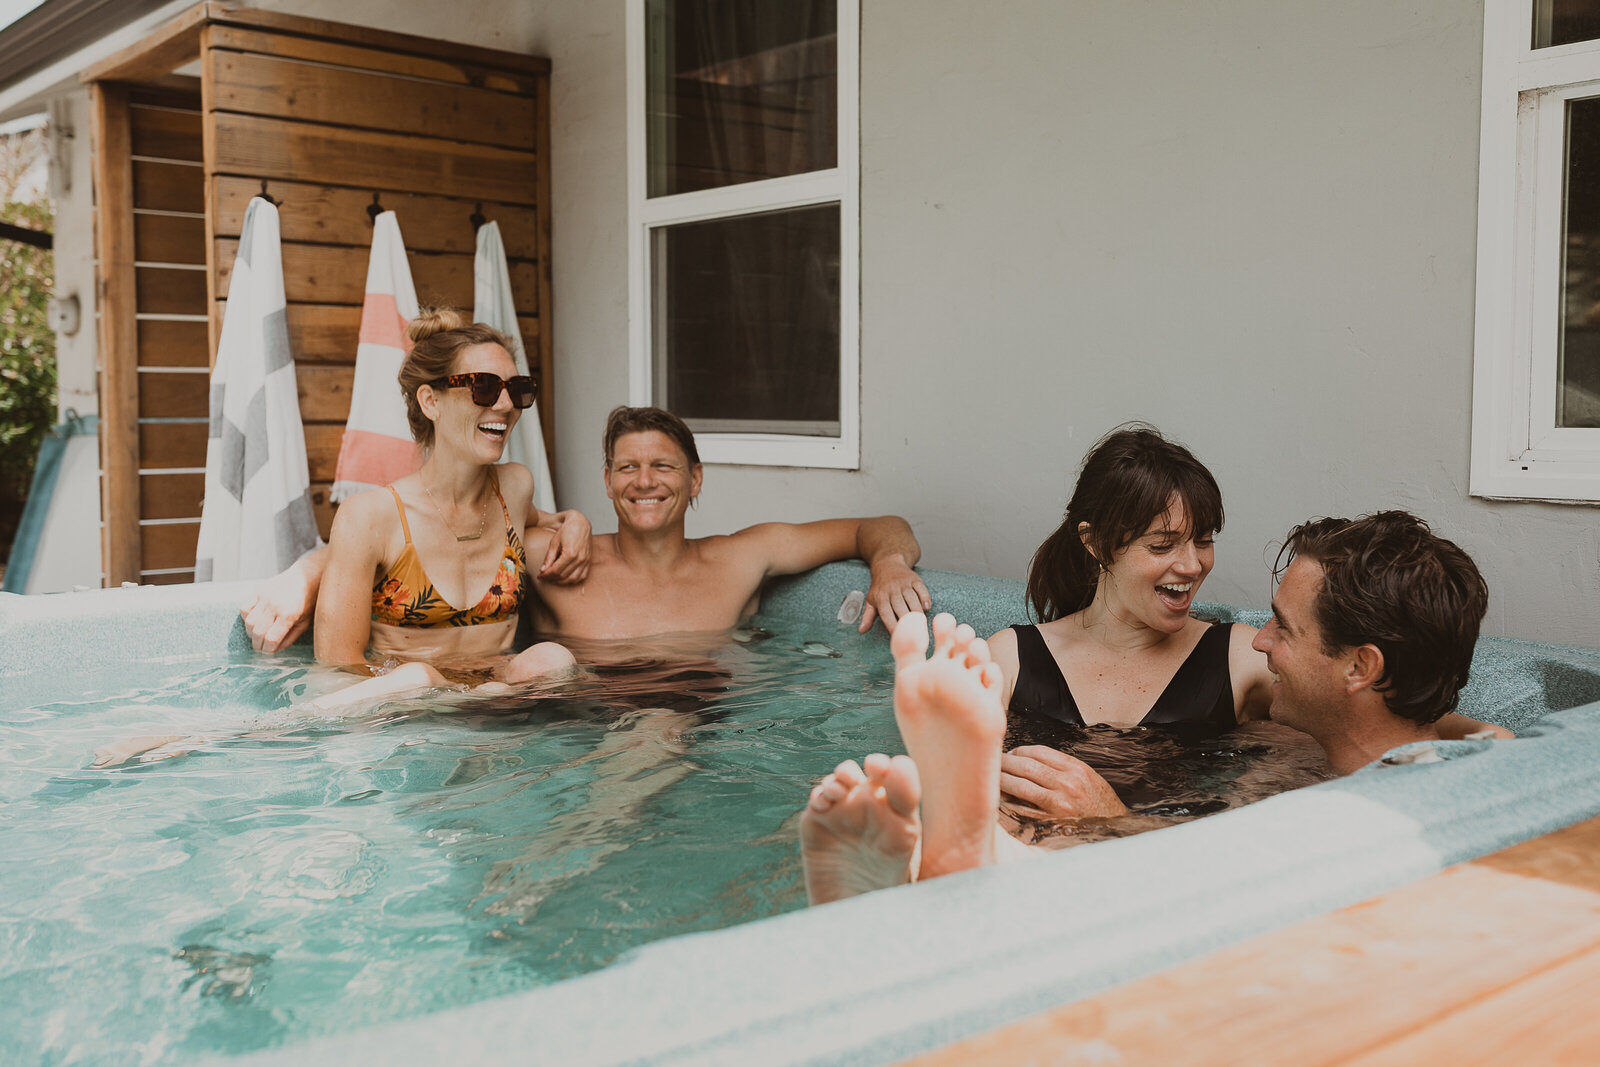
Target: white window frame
840 185
1518 452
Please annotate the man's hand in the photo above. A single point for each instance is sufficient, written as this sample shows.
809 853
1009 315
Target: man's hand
895 591
1053 785
566 561
280 611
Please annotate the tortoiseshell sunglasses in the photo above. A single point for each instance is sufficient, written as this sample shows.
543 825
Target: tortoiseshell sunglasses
486 387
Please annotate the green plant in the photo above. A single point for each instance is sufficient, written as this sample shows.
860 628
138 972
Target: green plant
27 344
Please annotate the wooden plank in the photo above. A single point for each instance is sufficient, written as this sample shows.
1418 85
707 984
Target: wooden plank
171 496
323 507
165 343
169 238
322 449
172 444
173 578
335 274
328 333
118 334
290 89
1332 988
169 186
328 214
174 395
366 36
254 147
180 91
337 53
170 544
171 291
540 348
1545 1019
324 391
166 133
1570 856
161 52
208 137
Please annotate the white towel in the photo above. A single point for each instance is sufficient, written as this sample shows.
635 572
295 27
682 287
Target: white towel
256 518
377 446
493 305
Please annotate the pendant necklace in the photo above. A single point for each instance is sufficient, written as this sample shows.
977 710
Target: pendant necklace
483 518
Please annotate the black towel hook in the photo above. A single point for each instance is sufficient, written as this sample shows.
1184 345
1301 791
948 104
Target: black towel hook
265 196
374 209
477 219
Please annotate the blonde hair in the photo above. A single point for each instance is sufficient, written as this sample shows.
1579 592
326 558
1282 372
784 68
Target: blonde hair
437 337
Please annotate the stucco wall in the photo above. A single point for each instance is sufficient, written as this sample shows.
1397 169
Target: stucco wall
1249 222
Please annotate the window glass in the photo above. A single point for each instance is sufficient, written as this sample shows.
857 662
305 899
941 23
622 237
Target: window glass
1578 362
1558 22
738 91
747 322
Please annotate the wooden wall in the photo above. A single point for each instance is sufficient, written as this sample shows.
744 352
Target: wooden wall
152 251
331 117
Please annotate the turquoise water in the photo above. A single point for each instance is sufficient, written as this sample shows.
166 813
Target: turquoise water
286 878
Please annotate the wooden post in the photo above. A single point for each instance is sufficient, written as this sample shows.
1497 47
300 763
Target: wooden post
119 336
547 385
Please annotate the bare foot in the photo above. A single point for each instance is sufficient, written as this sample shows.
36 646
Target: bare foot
860 829
539 661
950 717
119 752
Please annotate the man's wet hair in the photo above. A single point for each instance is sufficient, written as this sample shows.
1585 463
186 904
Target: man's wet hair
626 420
1390 581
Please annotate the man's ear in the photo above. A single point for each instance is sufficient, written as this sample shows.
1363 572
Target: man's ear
1363 668
694 486
605 475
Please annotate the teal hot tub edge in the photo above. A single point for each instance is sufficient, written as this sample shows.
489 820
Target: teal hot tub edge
893 973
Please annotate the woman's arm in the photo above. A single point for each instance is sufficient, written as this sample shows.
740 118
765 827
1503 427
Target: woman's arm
344 604
1454 727
1252 682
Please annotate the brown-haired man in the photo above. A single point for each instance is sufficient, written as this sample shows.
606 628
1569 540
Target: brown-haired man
650 577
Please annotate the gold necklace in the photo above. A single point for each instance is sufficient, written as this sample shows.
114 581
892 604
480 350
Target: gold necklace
483 518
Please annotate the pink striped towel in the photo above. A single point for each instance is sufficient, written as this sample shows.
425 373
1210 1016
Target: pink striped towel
377 447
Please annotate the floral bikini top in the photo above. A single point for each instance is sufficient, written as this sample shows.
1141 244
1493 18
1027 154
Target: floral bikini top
403 595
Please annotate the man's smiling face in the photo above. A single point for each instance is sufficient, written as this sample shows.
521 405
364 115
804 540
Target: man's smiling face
649 481
1310 683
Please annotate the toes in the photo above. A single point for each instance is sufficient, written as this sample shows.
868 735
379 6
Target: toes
977 652
876 766
849 774
901 785
962 640
992 677
944 633
909 642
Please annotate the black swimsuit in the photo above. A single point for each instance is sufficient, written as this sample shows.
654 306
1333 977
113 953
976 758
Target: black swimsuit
1201 691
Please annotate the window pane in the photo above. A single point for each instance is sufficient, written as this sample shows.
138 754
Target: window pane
739 90
1578 363
1558 22
747 322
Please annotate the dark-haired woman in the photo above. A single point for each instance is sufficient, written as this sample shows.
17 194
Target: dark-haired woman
1117 646
431 570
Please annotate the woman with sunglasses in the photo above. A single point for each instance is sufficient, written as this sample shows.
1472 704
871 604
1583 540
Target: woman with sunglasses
429 572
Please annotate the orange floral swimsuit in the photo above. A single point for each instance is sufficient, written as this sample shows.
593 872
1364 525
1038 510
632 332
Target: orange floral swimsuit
403 595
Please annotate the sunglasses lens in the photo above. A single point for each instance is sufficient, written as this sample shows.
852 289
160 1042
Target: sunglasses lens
523 391
485 389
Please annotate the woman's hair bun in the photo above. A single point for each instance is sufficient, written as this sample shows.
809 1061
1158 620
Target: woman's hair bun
430 321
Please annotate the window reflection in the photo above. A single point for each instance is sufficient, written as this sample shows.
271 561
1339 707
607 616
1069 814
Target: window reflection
1578 362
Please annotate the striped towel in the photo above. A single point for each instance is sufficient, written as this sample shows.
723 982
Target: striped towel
377 447
493 305
256 518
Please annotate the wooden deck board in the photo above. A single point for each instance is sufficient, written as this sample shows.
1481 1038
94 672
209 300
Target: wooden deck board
1495 961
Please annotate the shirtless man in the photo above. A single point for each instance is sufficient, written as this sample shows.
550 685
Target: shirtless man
1371 638
650 577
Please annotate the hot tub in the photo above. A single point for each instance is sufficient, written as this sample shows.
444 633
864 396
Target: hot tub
889 974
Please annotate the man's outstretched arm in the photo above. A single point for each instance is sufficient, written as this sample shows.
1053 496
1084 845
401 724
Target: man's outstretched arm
283 605
885 544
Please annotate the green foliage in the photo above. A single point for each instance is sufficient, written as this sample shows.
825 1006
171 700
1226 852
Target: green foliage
27 344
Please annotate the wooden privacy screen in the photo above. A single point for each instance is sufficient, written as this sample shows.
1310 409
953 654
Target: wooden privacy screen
334 119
